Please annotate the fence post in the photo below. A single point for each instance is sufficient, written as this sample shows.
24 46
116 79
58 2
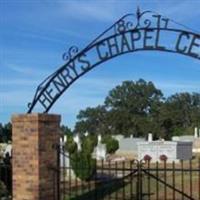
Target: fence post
58 172
139 181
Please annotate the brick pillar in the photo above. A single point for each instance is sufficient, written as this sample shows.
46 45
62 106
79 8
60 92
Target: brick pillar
33 137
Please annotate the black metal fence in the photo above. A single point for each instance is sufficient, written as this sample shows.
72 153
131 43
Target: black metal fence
5 180
129 180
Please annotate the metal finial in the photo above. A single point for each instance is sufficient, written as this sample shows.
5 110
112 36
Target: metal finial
138 12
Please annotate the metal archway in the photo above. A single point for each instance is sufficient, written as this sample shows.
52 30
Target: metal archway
143 31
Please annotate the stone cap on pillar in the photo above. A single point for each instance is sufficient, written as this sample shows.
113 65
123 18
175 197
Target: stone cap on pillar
36 117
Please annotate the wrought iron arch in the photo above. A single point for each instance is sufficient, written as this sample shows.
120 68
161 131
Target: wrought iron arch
142 31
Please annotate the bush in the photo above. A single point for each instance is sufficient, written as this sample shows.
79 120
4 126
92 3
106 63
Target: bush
88 144
111 144
83 165
81 161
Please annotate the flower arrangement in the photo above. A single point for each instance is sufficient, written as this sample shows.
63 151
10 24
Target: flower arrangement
163 157
147 157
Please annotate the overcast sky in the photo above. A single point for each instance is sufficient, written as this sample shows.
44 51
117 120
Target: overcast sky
35 33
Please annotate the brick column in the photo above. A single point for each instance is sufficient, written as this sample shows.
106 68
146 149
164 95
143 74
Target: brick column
32 139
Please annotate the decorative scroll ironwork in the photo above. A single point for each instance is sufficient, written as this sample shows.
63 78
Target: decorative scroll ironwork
146 19
72 51
142 31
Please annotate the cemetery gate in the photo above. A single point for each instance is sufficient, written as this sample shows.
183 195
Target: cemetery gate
128 180
140 31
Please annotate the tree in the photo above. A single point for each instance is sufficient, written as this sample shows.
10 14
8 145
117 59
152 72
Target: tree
5 132
1 133
180 114
136 108
131 106
66 130
92 120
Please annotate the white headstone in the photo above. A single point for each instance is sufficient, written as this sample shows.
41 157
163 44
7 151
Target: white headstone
101 152
86 133
8 150
175 138
62 141
77 140
150 137
65 139
196 132
99 139
173 150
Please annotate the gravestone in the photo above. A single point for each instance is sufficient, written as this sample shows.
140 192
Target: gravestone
100 151
173 150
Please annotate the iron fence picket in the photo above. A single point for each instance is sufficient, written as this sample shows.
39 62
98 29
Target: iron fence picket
191 188
182 179
199 178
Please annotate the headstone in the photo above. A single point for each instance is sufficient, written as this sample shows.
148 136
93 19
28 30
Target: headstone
196 132
99 139
77 140
86 134
175 138
184 150
8 150
65 139
150 137
118 137
128 147
100 152
196 145
184 138
173 150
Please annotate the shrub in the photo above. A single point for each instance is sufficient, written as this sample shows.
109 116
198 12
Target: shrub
83 165
111 144
88 144
81 161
